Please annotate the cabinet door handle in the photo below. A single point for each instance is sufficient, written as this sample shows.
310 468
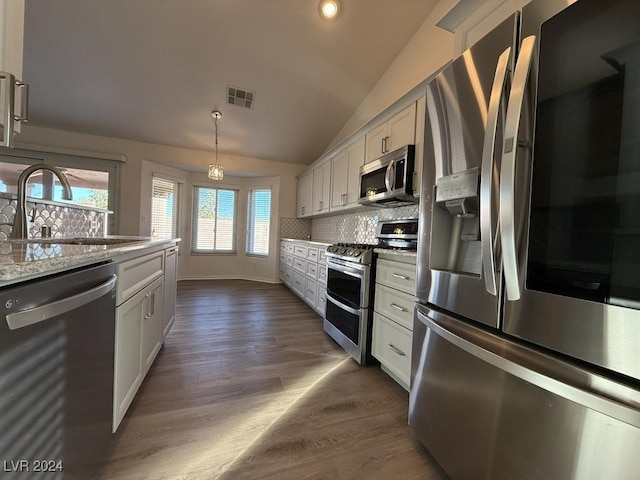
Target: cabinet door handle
398 307
396 350
402 277
24 102
384 145
9 104
343 199
152 303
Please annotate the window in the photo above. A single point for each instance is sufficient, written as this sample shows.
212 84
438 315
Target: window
165 208
214 220
258 221
93 181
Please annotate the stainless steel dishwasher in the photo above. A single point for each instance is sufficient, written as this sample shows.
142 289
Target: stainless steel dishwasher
56 374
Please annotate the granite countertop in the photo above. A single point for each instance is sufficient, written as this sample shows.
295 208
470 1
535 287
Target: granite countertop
322 244
22 260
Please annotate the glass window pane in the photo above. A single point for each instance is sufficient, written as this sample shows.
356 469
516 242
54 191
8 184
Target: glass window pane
88 187
214 220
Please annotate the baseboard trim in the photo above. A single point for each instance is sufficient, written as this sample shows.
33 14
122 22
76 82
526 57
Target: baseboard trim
230 277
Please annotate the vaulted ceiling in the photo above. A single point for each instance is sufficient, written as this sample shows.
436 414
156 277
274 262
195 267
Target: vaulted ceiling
153 70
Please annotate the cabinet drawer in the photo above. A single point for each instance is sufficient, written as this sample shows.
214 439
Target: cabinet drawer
312 254
300 251
395 305
300 264
312 269
135 274
299 282
289 260
391 344
283 258
322 256
288 247
321 302
311 292
322 275
401 276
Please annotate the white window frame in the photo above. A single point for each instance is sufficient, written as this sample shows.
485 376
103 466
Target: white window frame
250 221
194 222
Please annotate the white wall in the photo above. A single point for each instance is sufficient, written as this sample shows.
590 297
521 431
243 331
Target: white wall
143 159
239 264
429 49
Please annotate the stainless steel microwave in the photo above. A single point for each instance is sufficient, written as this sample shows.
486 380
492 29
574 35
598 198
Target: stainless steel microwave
388 181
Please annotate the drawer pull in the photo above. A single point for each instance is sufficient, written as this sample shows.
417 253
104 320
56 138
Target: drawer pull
397 350
397 275
398 307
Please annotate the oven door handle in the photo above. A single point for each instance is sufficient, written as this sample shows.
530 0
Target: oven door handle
355 311
346 270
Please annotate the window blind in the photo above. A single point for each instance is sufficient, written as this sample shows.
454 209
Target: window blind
258 221
164 208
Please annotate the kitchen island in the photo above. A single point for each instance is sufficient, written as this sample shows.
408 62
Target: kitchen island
22 260
93 310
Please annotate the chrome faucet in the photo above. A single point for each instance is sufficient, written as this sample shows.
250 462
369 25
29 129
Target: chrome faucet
19 229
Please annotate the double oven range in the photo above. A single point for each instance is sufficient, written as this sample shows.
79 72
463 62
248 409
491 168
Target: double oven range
350 286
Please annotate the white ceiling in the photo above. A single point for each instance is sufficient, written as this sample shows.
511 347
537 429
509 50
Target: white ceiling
153 70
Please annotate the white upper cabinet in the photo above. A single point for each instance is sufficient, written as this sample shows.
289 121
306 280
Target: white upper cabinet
345 175
13 93
305 195
321 188
398 131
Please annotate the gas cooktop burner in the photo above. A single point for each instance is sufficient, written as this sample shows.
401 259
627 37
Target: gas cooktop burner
353 252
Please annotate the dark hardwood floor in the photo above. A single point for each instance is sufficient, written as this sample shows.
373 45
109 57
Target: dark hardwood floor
248 386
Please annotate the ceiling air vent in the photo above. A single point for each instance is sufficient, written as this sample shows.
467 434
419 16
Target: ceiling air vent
242 98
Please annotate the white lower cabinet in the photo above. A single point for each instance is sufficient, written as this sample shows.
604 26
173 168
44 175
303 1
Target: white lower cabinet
303 268
391 344
152 323
393 315
128 366
299 283
138 341
144 315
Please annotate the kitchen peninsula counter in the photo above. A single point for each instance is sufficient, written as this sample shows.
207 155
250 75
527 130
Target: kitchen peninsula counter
21 261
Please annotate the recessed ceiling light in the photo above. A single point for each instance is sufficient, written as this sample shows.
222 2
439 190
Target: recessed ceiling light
329 9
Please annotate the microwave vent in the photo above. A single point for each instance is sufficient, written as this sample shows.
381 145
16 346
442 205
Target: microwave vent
240 97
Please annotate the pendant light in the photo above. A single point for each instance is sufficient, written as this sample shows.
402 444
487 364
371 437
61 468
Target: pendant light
215 169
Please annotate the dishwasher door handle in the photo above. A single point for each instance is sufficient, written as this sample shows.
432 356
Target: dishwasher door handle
45 312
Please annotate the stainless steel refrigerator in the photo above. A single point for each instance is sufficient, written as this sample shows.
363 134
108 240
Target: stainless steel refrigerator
526 350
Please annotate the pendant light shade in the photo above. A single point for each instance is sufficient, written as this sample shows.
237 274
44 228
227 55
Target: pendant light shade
216 172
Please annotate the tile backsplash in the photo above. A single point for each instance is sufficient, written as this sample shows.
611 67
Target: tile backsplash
64 220
356 227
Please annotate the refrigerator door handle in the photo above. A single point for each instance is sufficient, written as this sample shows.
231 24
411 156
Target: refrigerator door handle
487 232
508 170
